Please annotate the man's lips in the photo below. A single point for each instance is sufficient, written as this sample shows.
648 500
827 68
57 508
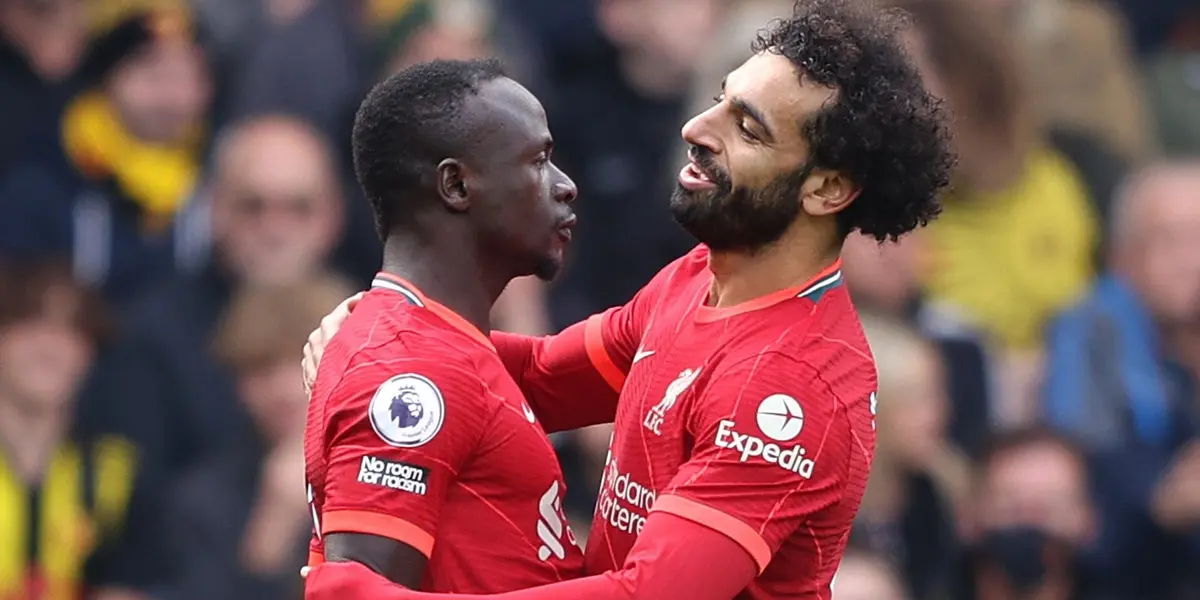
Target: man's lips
693 177
565 226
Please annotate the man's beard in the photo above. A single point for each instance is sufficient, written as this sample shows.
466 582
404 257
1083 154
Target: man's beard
741 219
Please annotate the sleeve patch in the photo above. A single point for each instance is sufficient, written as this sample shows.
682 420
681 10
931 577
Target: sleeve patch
395 475
407 411
779 418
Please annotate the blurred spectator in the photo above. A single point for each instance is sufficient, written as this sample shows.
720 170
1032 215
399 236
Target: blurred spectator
1082 74
134 145
1110 356
1015 242
243 522
919 480
864 575
1085 88
78 504
276 214
276 202
1030 523
885 278
1122 365
42 48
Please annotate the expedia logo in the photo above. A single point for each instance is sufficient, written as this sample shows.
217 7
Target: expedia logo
792 459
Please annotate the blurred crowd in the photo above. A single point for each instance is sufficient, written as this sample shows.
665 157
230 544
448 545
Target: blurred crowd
177 211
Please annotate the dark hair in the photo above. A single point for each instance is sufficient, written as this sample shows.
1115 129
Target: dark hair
29 288
1005 442
407 125
1000 445
884 130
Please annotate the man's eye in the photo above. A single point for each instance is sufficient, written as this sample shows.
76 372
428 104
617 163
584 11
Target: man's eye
718 98
745 131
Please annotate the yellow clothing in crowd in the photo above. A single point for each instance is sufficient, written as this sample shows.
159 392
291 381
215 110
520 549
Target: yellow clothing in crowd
51 528
1012 259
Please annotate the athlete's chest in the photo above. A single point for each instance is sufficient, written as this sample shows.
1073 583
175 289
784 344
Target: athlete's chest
513 459
654 426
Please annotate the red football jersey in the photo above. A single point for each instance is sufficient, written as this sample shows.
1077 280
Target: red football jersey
417 433
756 420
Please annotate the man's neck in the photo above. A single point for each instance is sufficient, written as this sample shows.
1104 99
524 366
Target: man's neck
29 437
743 276
451 276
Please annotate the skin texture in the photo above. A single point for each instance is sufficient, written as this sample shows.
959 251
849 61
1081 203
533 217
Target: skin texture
495 211
750 144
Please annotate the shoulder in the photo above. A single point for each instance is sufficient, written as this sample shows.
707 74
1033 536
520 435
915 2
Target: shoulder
406 387
681 273
396 350
385 328
829 358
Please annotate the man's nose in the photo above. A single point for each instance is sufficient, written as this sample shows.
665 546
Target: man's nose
699 131
565 190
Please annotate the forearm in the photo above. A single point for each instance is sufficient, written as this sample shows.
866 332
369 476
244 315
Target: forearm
674 559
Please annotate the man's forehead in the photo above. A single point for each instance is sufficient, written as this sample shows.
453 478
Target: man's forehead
772 84
504 106
1043 462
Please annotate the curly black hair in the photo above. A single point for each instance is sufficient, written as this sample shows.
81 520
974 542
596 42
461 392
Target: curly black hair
884 130
407 125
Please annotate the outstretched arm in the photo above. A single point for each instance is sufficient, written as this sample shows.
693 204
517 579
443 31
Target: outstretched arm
674 558
572 379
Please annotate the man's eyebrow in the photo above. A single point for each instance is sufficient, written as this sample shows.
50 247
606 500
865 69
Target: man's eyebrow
755 114
751 111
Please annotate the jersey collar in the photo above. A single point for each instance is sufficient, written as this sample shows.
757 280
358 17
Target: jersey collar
829 278
393 283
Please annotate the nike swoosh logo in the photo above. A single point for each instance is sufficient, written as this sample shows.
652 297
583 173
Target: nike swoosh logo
529 416
640 354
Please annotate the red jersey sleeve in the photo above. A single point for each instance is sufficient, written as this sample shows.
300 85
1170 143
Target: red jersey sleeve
398 431
673 559
573 379
773 446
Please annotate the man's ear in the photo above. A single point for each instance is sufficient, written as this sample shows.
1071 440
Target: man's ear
452 185
827 192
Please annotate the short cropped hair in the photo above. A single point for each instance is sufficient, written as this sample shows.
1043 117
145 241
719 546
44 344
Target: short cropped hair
883 130
407 125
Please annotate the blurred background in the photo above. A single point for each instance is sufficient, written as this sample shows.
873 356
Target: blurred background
177 211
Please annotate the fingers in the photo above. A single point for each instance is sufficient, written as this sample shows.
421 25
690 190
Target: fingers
319 338
308 368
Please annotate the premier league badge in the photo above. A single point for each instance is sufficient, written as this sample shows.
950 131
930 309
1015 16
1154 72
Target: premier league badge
407 410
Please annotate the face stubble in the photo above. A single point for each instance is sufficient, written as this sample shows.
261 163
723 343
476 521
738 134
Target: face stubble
737 219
